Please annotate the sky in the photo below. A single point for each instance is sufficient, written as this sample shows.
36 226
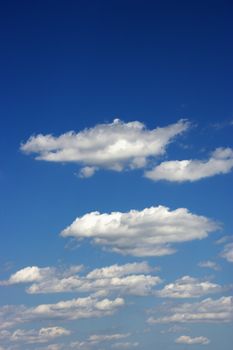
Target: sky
116 175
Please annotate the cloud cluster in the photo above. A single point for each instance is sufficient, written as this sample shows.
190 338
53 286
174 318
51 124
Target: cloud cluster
188 287
32 336
116 146
185 339
132 278
220 162
150 232
208 310
74 309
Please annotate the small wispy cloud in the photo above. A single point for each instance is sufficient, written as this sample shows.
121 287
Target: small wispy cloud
209 265
185 339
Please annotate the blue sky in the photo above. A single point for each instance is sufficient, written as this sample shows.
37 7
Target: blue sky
117 235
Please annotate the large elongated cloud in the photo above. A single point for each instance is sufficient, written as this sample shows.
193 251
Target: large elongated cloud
116 146
74 309
208 311
130 278
220 162
150 232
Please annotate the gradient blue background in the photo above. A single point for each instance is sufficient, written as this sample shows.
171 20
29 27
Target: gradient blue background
68 65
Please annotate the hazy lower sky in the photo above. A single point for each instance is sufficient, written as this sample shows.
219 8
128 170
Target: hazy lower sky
116 175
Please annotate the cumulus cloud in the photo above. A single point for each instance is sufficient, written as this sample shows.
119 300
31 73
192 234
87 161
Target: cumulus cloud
39 274
150 232
32 336
220 162
208 311
188 287
132 278
73 309
227 252
185 339
209 265
116 146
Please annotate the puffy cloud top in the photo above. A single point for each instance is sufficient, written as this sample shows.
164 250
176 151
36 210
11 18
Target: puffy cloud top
188 287
114 146
149 232
131 278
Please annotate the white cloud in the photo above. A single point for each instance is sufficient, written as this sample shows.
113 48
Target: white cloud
37 274
119 270
150 232
32 336
87 171
99 338
73 309
116 146
185 339
125 345
27 274
132 278
188 287
209 265
220 162
208 310
227 252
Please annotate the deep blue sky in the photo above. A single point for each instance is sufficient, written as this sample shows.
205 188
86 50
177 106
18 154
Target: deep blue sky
69 65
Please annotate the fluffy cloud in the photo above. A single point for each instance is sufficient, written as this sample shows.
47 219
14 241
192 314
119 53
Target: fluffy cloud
73 309
185 339
149 232
116 146
228 252
39 274
207 310
210 265
130 278
188 287
220 162
42 335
